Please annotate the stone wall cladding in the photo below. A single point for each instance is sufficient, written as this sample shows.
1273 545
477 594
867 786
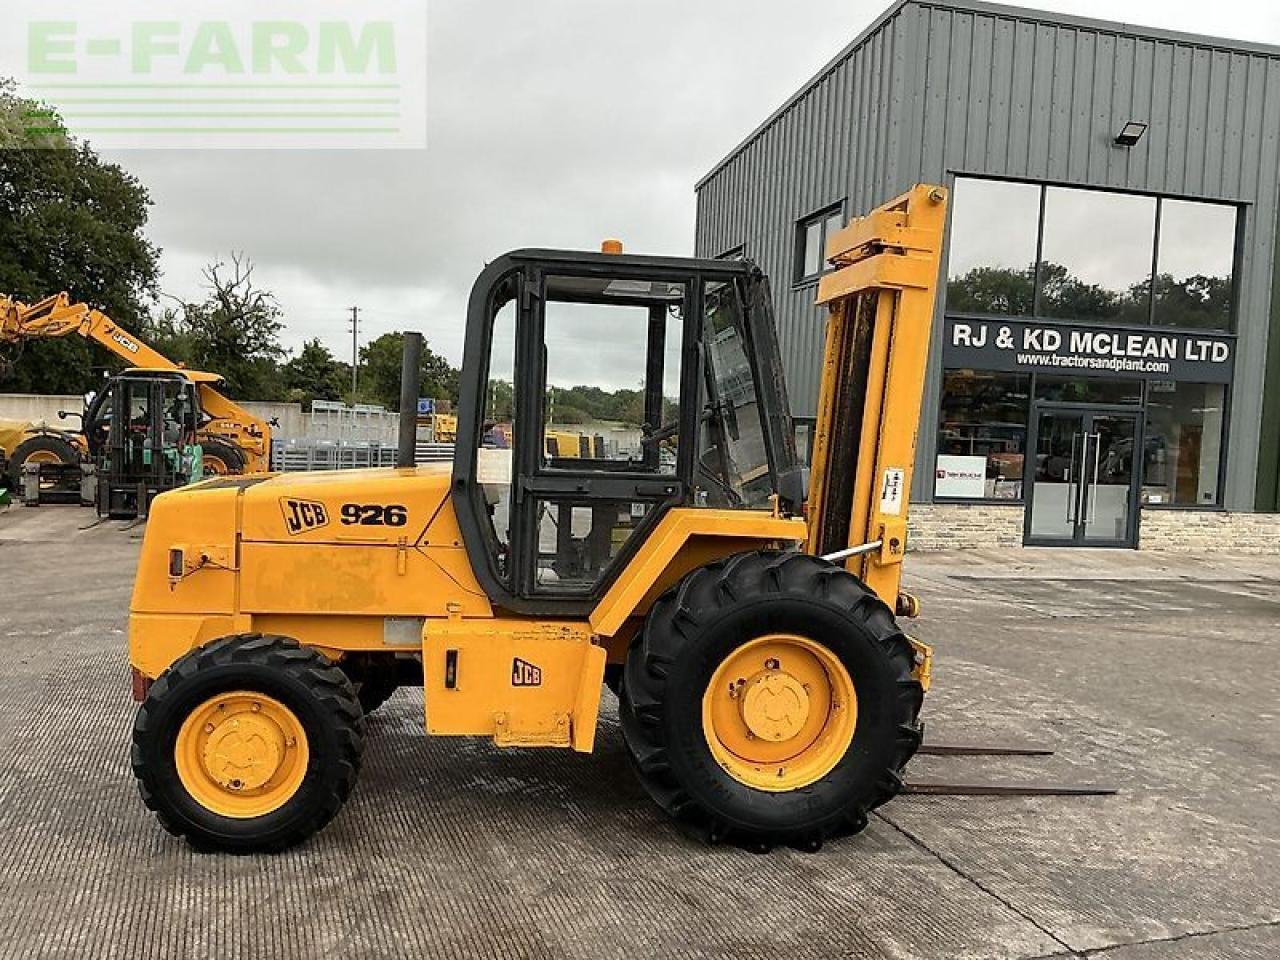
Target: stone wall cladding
1197 531
965 526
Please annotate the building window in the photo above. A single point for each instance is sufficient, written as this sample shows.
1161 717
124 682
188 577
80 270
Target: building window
1183 446
1096 256
1096 390
812 234
982 436
993 271
1193 283
1093 256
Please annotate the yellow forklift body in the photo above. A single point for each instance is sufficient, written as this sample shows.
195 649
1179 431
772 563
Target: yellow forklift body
366 561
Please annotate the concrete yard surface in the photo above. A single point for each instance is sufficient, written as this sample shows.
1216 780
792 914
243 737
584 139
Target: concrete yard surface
1154 674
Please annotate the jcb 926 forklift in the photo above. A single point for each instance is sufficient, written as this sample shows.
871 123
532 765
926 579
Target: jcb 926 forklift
748 624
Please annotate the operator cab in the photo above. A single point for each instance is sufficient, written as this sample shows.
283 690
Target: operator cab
600 391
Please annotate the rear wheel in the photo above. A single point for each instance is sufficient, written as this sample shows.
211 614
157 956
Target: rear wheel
42 449
251 743
221 459
770 699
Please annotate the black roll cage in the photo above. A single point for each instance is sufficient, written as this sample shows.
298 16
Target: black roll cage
521 276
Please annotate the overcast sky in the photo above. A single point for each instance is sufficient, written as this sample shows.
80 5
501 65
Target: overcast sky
550 123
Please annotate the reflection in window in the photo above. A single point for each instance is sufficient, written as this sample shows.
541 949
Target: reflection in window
1096 255
1193 270
982 435
1087 390
993 270
811 242
733 461
1184 443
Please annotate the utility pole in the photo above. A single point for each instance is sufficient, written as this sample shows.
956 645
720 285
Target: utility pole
355 350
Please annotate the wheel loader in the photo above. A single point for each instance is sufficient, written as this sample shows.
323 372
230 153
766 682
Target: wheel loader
747 619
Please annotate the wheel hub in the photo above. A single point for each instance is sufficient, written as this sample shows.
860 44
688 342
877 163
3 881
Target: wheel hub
775 705
779 712
241 754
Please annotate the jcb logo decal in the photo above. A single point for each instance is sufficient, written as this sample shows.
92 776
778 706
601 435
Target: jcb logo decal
303 515
125 342
525 674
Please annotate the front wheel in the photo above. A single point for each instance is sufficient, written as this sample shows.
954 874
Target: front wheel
251 743
770 699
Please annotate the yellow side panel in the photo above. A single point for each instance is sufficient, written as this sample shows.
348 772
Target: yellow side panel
203 528
157 640
384 580
526 683
667 555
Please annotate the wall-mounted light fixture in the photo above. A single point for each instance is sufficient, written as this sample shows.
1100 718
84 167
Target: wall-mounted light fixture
1130 133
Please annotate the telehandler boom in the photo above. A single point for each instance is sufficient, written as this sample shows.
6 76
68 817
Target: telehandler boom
233 440
767 693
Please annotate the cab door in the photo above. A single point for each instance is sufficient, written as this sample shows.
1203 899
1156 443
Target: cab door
608 355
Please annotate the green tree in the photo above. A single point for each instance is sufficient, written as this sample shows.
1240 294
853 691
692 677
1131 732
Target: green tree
69 221
234 332
1011 291
999 290
315 374
1196 301
379 373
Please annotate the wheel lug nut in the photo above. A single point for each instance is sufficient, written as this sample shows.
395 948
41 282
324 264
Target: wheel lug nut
208 728
771 664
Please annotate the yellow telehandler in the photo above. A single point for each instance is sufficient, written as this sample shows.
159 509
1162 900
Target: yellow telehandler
748 625
233 441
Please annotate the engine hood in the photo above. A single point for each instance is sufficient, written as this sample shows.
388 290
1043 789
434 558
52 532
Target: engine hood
342 506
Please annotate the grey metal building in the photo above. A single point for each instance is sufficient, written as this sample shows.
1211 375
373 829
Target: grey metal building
1109 342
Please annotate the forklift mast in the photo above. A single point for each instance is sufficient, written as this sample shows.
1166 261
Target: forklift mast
881 300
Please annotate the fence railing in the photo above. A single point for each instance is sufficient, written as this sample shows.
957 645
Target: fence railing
298 456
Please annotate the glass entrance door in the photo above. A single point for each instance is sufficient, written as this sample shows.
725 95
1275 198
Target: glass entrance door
1082 480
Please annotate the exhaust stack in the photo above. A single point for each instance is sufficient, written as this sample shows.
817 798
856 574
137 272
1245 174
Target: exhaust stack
410 377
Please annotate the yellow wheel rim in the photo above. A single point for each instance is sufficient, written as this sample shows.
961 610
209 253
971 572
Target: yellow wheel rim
214 467
780 712
241 754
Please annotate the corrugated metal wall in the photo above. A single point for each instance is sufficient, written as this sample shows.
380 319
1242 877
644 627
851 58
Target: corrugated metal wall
936 90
